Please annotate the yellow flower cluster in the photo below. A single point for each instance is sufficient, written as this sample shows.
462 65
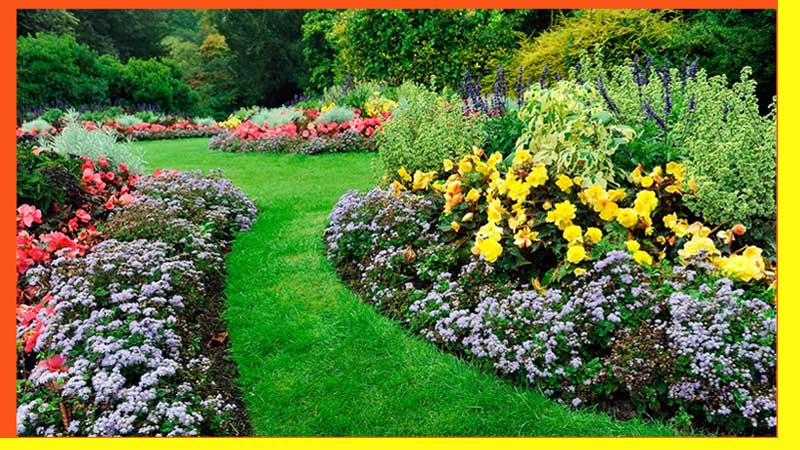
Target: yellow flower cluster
378 104
512 197
326 108
230 123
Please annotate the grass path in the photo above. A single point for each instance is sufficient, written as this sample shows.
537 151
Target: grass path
315 360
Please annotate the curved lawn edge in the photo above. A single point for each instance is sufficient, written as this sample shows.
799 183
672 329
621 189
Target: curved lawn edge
313 359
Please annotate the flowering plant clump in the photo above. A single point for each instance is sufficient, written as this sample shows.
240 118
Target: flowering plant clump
112 334
621 333
309 134
137 131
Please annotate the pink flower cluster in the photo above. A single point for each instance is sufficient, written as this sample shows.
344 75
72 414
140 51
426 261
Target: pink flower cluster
365 126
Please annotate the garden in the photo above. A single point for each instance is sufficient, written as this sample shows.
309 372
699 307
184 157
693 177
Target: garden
479 223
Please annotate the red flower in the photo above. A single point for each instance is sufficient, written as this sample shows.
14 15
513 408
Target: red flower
54 364
102 161
109 204
122 168
72 225
29 215
83 215
109 176
31 337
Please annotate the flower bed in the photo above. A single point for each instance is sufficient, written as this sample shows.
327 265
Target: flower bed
140 132
613 297
120 333
302 135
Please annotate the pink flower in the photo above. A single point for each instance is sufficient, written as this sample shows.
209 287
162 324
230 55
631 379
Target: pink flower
82 215
54 364
102 161
29 215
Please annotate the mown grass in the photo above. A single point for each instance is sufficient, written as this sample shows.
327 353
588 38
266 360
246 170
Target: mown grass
314 360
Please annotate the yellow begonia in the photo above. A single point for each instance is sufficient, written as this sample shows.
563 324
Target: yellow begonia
593 235
609 211
632 245
538 176
564 183
616 195
646 181
521 157
488 248
422 180
455 226
642 257
676 170
573 234
547 206
576 254
465 166
525 237
473 195
448 165
645 202
398 186
518 221
696 245
518 190
670 220
467 217
698 229
627 217
404 175
745 267
495 211
562 214
580 271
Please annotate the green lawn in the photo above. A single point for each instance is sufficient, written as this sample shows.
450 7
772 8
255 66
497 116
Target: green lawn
314 359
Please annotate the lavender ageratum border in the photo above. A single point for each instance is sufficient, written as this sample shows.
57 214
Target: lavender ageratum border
346 141
681 343
129 322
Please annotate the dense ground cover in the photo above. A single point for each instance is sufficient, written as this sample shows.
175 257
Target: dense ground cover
314 359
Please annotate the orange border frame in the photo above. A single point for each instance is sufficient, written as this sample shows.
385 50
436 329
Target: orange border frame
787 219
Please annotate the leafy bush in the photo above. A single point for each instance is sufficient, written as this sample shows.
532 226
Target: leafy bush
54 68
317 51
205 121
52 115
146 116
568 128
46 179
425 129
36 124
153 82
76 139
622 32
336 114
103 115
501 132
276 116
127 120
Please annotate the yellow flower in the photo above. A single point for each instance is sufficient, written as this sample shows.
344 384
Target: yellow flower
490 231
489 248
521 157
609 211
422 179
547 205
675 170
645 202
594 195
465 166
563 212
576 254
538 176
646 181
467 217
616 195
564 183
627 217
745 267
448 165
671 189
580 271
642 257
473 195
573 234
494 159
397 186
698 229
455 226
632 245
495 211
525 237
593 235
438 186
404 175
636 175
518 190
670 220
516 222
696 245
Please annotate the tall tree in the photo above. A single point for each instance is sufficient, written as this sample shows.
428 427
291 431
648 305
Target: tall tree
123 32
266 50
56 21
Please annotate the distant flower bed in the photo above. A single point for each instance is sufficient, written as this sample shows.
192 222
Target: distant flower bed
138 132
118 305
307 132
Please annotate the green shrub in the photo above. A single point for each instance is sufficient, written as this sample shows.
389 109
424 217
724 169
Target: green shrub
500 133
318 53
568 128
153 82
75 139
35 124
245 113
45 179
127 120
396 44
103 115
276 116
54 68
52 115
336 114
622 32
146 116
425 129
205 121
